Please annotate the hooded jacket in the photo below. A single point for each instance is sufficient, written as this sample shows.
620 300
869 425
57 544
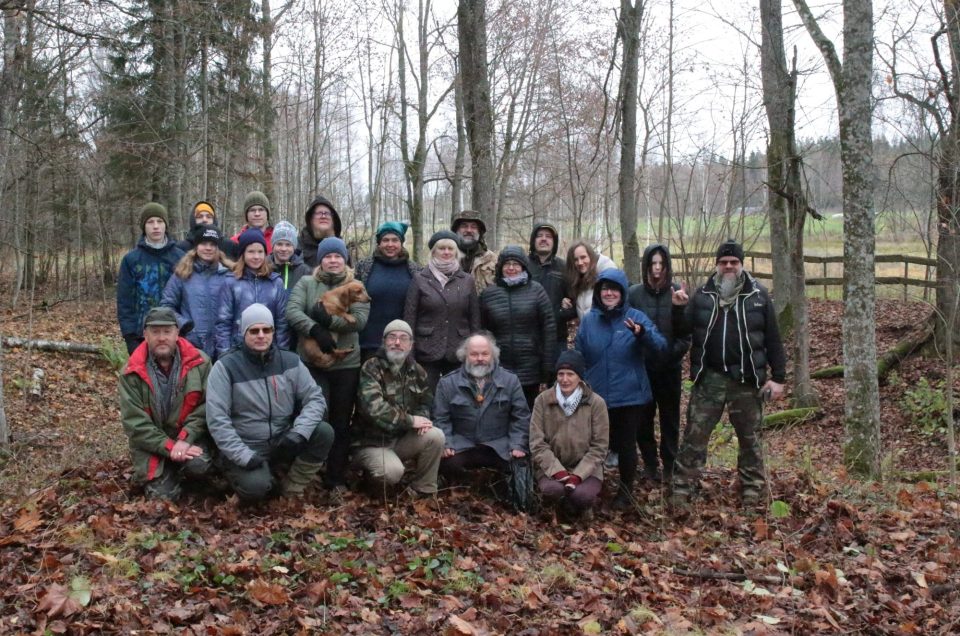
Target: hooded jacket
194 300
291 271
658 305
255 399
267 235
151 440
144 272
551 276
522 320
308 244
228 247
615 357
749 337
240 293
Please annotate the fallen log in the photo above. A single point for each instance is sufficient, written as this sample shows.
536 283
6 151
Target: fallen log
57 346
889 360
790 417
731 576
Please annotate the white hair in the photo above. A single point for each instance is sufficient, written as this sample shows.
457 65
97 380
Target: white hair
494 349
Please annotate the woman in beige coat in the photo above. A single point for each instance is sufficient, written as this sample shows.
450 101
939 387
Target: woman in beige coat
569 435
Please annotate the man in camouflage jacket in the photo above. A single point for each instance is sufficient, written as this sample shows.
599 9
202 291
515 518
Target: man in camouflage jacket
393 404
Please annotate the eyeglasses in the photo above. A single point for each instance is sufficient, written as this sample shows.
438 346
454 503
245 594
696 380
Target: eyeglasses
260 330
322 214
398 337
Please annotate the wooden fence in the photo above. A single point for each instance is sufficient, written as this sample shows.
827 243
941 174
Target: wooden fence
927 283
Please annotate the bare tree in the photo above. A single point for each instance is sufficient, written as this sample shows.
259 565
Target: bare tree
852 82
628 30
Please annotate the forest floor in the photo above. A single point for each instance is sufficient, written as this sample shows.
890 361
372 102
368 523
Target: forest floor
83 552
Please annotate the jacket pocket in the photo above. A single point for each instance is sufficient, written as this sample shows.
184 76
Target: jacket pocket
424 330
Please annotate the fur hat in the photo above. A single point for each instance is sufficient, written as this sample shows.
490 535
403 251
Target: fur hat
151 210
250 236
255 314
730 248
255 198
284 231
332 245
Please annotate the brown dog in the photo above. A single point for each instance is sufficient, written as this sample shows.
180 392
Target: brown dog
336 302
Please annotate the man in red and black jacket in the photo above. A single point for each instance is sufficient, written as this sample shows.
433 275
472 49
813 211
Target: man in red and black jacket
163 407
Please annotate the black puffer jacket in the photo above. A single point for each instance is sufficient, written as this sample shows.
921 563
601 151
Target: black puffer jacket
307 242
751 329
551 276
659 307
522 320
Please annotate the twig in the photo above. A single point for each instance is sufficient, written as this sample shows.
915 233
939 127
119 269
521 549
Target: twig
729 576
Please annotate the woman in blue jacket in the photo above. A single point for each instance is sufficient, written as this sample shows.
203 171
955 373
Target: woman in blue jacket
254 281
614 340
194 289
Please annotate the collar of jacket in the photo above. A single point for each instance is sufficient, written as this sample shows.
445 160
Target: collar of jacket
749 285
496 377
587 394
259 359
190 357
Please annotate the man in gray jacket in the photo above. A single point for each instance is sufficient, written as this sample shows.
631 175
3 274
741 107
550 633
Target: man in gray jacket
263 408
482 412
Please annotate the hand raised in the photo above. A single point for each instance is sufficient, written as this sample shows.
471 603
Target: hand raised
679 296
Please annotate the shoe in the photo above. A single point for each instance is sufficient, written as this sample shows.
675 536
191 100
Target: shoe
336 493
612 461
622 502
750 499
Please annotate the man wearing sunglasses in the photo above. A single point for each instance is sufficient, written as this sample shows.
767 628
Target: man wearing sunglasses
263 411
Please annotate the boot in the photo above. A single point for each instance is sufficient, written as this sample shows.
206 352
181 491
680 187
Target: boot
299 477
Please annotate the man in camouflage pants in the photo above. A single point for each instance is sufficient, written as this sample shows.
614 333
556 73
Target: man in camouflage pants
393 404
735 339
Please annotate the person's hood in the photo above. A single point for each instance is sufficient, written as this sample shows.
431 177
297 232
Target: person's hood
193 219
512 252
615 276
648 258
556 239
337 223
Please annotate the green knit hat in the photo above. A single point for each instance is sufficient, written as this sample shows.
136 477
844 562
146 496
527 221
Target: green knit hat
149 211
256 198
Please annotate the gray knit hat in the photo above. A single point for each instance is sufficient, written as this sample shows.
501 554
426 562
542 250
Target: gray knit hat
284 231
397 325
255 314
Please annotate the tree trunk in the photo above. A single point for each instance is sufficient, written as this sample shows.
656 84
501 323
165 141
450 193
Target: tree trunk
478 113
267 116
852 82
628 29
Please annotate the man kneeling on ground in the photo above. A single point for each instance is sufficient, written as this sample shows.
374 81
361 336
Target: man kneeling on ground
264 409
393 402
162 407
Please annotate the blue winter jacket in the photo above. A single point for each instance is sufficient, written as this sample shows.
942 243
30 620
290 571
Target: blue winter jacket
238 294
195 302
144 272
615 357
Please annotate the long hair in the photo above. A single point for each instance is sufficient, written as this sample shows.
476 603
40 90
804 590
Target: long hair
577 282
184 267
261 272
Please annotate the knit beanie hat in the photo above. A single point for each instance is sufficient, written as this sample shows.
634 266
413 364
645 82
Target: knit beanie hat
331 245
255 314
208 233
250 236
392 227
397 325
203 206
573 360
730 248
255 198
151 210
284 231
443 234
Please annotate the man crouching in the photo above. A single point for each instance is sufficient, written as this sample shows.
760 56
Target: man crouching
263 409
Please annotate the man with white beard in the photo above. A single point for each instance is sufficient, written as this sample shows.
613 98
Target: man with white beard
735 339
394 426
482 411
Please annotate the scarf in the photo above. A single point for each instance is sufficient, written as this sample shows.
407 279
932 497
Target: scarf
164 385
330 279
515 281
569 404
728 291
443 270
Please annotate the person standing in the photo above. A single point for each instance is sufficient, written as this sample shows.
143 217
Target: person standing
144 272
584 264
549 270
735 339
386 275
517 311
615 340
285 259
202 217
320 221
476 259
653 297
441 307
256 215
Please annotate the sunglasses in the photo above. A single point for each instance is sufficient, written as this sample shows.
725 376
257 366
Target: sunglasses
260 330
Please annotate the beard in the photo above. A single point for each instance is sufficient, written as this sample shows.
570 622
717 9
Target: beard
728 284
396 358
477 370
468 240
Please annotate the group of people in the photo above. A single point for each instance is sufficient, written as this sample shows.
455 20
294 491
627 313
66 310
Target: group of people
474 360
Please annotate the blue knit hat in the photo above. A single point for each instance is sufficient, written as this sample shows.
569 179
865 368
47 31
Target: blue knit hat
250 236
331 245
392 227
284 231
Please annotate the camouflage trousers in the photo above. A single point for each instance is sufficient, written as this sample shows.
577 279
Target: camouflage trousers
710 395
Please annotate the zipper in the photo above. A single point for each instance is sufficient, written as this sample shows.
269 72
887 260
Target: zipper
710 325
753 365
743 363
723 340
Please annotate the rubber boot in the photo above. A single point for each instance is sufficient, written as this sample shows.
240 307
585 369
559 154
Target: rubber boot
299 477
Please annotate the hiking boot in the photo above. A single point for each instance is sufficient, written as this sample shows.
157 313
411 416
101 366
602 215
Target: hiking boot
750 499
299 476
612 461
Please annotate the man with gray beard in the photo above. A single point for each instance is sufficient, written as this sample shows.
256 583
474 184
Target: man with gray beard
394 426
482 411
735 339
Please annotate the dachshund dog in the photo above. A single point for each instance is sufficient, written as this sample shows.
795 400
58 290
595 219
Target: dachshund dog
336 302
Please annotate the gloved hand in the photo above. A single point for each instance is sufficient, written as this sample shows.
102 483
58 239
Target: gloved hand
290 445
320 315
572 482
562 476
255 462
324 340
